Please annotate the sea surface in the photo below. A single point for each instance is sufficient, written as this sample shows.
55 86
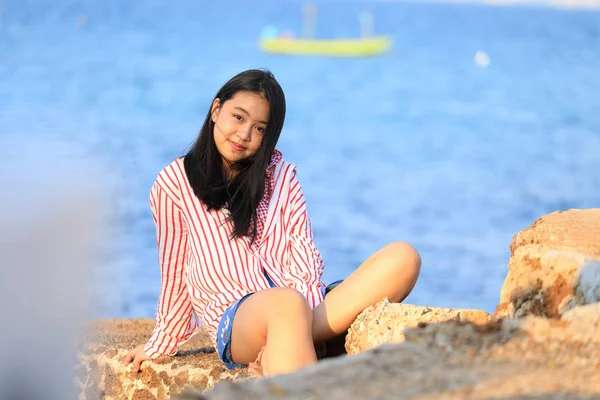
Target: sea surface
422 144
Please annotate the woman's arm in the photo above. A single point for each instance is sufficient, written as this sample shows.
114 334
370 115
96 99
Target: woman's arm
175 321
307 263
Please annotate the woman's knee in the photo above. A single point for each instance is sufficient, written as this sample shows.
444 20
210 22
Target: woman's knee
288 303
263 312
404 258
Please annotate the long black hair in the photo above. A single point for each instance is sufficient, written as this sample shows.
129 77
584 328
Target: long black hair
204 164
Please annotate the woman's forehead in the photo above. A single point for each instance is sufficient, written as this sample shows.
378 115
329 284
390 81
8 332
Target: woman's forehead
253 104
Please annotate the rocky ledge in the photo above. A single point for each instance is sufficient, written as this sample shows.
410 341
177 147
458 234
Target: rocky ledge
101 374
542 342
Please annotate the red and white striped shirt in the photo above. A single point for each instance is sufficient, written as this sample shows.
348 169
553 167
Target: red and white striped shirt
203 272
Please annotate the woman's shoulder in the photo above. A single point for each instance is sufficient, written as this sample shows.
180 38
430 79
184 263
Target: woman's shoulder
277 161
172 176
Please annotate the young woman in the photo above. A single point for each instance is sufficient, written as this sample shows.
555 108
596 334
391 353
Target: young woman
236 245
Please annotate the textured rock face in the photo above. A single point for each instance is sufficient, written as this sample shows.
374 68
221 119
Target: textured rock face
589 313
575 230
102 376
385 322
555 266
531 358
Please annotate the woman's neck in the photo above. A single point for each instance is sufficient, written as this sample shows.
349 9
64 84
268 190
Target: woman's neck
228 172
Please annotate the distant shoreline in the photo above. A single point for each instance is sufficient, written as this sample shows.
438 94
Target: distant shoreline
559 4
566 4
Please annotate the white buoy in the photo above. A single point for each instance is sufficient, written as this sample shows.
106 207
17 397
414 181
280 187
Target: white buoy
81 21
481 59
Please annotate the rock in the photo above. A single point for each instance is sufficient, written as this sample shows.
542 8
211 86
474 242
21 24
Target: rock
101 374
385 322
530 358
575 331
574 230
554 266
589 313
548 282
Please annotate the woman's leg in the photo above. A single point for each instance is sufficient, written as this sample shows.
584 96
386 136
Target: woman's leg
280 320
391 272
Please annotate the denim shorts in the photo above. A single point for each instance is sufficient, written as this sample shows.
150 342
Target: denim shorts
226 323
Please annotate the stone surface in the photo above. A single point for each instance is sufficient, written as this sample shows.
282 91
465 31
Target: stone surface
574 230
385 322
589 313
532 358
547 282
101 375
554 266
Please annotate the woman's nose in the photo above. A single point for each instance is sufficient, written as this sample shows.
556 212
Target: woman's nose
245 132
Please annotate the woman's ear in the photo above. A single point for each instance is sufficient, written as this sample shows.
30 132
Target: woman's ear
214 109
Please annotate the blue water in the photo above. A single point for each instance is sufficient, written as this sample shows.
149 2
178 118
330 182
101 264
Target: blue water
419 145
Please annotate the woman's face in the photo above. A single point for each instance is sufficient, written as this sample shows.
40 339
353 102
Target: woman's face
240 124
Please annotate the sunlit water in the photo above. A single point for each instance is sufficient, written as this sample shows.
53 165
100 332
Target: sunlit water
419 145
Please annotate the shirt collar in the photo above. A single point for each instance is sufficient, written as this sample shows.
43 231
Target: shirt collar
276 157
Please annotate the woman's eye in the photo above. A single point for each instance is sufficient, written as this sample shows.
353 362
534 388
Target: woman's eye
260 129
238 117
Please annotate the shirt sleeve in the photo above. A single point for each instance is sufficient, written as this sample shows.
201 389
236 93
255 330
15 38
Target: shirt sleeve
306 261
175 321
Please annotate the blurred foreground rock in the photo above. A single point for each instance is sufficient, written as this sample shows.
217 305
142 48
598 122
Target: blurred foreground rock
531 358
542 343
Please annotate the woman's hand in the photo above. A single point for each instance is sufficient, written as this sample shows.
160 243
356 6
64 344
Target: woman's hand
137 356
259 367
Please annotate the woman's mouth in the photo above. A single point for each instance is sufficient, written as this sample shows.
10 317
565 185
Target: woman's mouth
236 147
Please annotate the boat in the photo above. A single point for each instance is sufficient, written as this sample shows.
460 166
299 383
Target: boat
352 47
366 45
